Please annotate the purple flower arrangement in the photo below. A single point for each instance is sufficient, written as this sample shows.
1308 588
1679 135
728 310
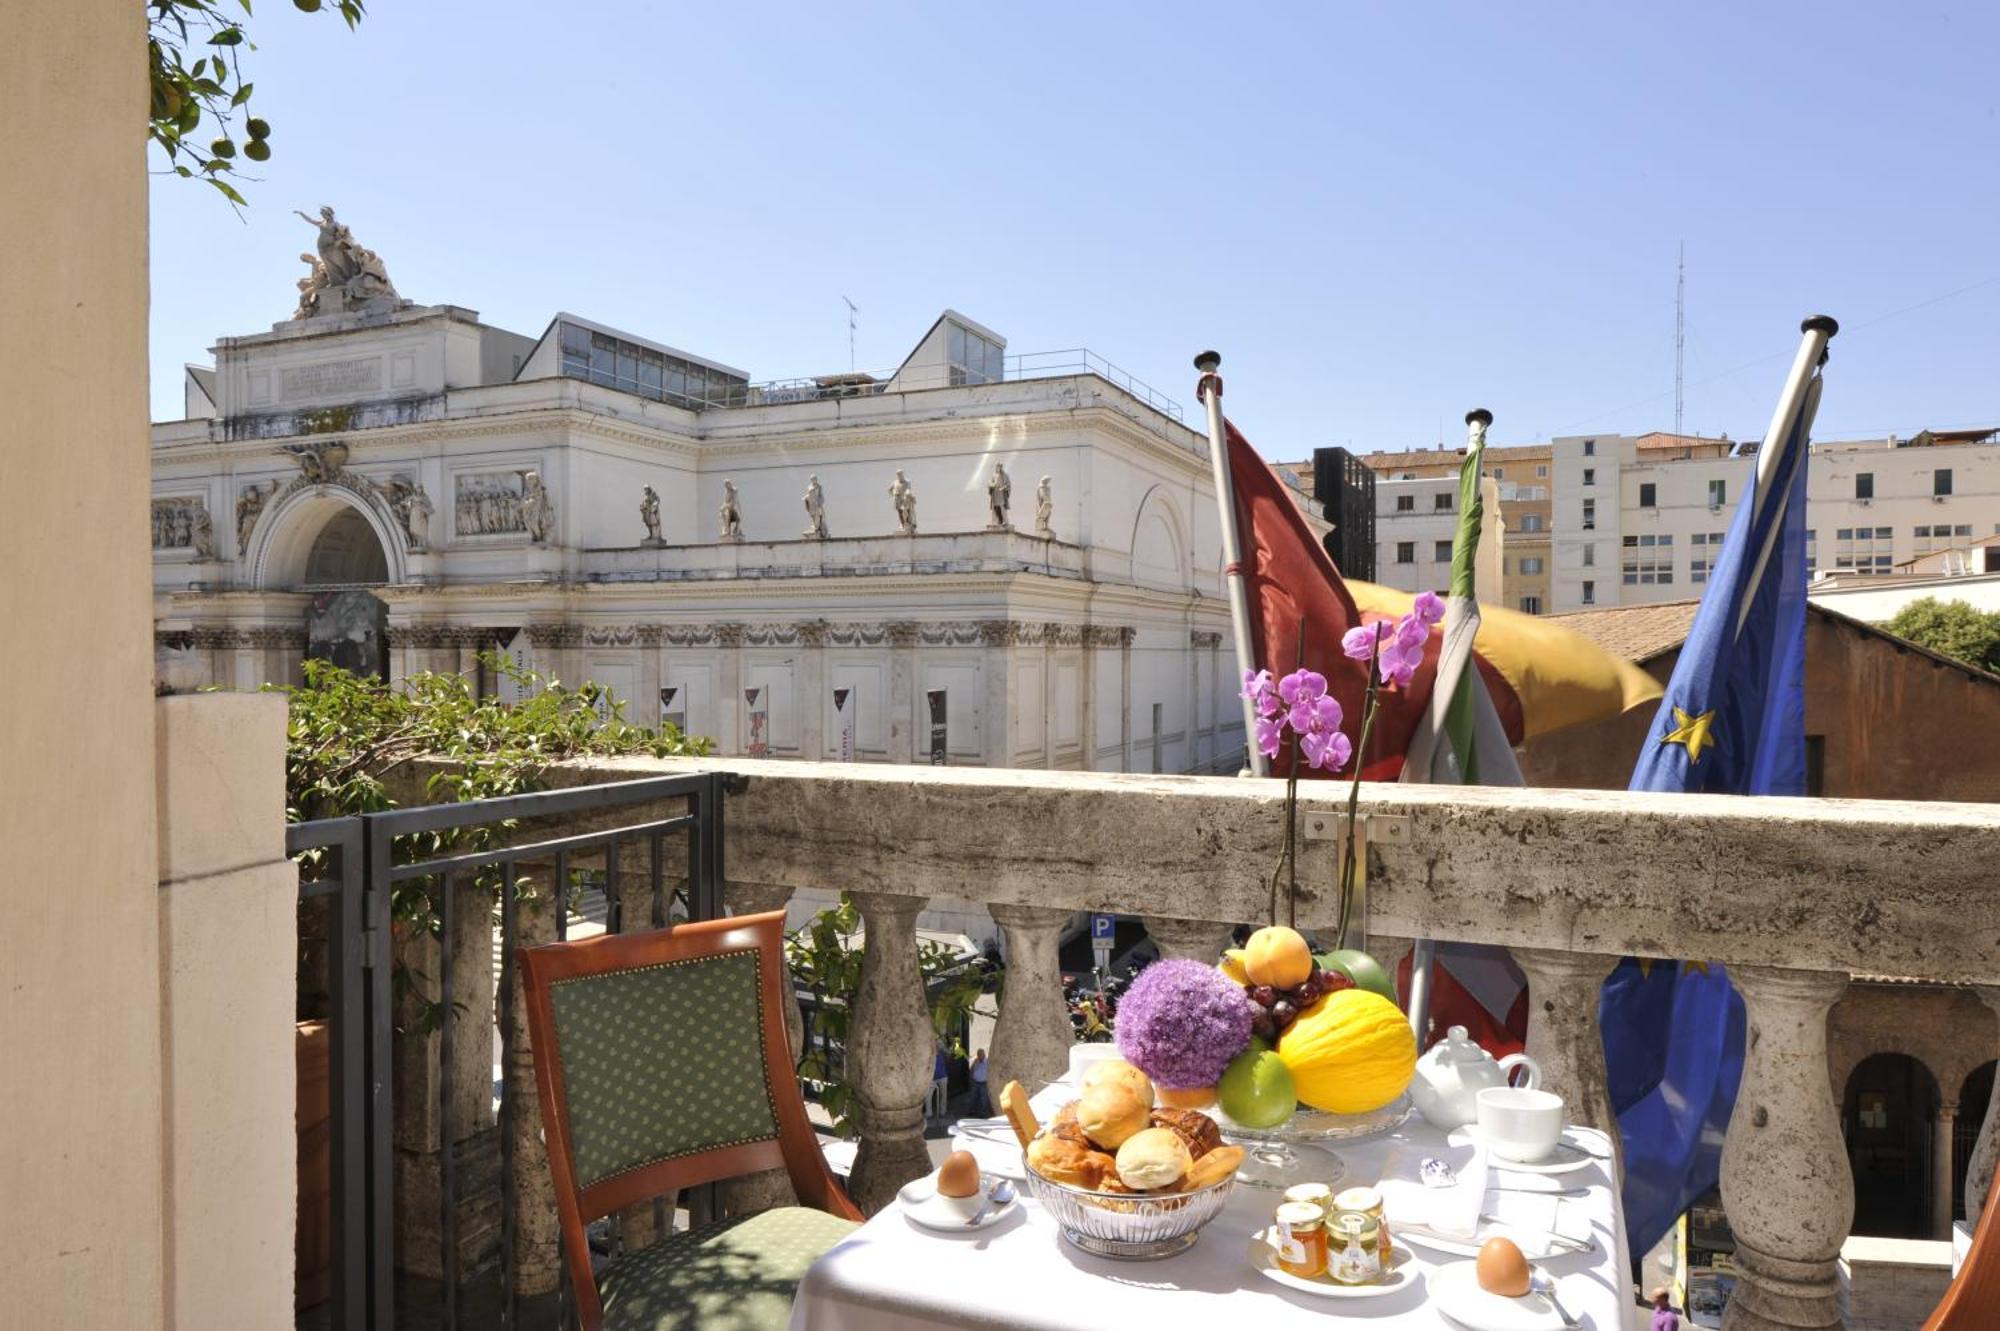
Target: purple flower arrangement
1181 1023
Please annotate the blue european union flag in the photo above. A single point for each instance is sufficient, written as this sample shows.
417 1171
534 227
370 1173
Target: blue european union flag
1732 722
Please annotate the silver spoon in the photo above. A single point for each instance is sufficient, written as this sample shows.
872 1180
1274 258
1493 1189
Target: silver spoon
999 1194
1539 1282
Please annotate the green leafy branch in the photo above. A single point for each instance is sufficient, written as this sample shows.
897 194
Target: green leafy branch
210 95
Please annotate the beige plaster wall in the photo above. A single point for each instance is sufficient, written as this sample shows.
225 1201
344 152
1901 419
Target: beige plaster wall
80 1158
228 962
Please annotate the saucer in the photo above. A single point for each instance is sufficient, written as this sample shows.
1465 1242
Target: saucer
1566 1156
1457 1294
1402 1273
923 1206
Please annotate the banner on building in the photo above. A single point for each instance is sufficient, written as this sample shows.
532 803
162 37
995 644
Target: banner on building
938 729
760 721
673 707
843 723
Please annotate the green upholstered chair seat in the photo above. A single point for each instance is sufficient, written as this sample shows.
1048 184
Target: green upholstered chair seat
733 1275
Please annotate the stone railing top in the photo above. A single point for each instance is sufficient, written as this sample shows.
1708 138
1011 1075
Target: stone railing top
1909 889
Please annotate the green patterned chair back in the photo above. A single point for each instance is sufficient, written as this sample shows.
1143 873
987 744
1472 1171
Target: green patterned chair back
662 1061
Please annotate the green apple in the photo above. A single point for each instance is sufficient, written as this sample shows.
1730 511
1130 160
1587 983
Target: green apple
1364 970
1256 1088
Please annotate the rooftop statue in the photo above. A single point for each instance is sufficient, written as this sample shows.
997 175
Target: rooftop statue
346 278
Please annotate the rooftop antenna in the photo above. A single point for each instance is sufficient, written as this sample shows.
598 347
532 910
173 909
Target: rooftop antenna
852 310
1680 334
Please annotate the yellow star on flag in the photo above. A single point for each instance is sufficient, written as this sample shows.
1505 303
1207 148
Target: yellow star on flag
1694 733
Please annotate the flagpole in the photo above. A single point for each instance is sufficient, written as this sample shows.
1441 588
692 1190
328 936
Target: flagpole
1209 390
1798 396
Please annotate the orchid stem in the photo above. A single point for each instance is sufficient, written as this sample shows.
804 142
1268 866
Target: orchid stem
1354 804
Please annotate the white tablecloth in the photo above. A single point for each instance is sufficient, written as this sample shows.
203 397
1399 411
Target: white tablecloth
893 1276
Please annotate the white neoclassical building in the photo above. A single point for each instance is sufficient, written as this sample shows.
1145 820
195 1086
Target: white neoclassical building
1015 558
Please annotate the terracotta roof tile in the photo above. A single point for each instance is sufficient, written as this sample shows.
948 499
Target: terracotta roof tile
1635 632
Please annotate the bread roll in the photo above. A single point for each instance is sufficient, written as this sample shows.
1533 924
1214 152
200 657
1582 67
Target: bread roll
1153 1158
1069 1163
1195 1128
1109 1112
1123 1073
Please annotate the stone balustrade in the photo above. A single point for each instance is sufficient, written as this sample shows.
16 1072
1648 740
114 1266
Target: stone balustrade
1792 895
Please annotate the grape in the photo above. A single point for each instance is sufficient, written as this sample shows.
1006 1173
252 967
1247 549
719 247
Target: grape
1263 995
1284 1012
1309 990
1262 1026
1332 982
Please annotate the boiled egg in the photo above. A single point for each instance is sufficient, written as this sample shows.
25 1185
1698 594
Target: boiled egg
1502 1269
958 1176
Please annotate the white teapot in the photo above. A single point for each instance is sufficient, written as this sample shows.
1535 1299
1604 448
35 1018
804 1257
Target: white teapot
1453 1073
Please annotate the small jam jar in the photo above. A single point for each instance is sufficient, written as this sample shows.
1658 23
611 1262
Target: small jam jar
1368 1201
1317 1194
1354 1254
1299 1231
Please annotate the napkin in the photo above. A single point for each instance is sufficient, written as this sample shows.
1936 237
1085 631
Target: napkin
1451 1212
992 1143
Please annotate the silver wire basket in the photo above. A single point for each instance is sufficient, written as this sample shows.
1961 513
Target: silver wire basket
1129 1226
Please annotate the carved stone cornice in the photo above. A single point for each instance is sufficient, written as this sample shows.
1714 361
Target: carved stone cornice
728 635
902 632
813 633
217 638
651 635
1204 640
1062 635
999 632
611 635
431 636
764 635
688 635
555 635
1108 635
173 640
275 637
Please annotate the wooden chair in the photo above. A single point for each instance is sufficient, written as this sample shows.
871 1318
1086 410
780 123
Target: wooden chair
662 1064
1973 1301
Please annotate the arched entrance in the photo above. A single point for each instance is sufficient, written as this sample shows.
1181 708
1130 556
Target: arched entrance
1888 1109
345 553
330 540
1974 1095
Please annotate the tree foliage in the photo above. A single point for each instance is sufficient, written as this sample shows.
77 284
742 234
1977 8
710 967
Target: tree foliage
210 95
1951 628
348 736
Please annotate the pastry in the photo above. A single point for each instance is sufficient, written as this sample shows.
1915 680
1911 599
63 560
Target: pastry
1119 1071
1212 1168
1194 1128
1110 1112
1014 1104
1068 1163
1153 1158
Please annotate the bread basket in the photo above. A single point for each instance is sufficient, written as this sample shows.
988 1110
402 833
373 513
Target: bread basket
1133 1227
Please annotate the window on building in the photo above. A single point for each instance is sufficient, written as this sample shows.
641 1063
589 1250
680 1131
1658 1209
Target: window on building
1707 548
1648 561
1406 503
1499 473
1589 592
1589 556
1590 475
614 362
1442 552
1531 605
1815 765
1649 495
1590 515
1531 522
1531 564
973 359
1441 503
1541 470
1865 549
1406 552
1590 448
1718 493
1941 481
1864 485
1812 551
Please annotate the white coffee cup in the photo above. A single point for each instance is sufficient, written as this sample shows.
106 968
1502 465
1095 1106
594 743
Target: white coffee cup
1520 1124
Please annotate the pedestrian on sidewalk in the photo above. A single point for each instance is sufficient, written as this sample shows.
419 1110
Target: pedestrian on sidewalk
1664 1316
982 1107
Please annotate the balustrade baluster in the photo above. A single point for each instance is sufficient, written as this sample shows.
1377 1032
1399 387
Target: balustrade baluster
1032 1038
536 1254
1563 1035
1985 1159
891 1051
1785 1180
1202 940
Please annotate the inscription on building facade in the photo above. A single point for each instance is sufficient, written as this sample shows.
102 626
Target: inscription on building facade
332 378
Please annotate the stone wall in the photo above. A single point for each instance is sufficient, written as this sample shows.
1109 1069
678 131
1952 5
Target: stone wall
81 1165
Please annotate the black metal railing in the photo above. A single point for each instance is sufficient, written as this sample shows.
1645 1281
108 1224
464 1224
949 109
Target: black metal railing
374 872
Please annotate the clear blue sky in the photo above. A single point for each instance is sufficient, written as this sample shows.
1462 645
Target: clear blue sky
1381 215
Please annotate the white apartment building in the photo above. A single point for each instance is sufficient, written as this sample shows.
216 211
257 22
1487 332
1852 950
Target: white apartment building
1416 521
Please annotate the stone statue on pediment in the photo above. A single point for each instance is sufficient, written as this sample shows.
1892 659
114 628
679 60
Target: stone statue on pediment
538 511
999 493
649 513
201 530
815 501
346 278
249 506
731 513
1045 507
905 500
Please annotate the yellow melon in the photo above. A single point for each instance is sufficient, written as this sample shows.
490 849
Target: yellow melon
1350 1053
